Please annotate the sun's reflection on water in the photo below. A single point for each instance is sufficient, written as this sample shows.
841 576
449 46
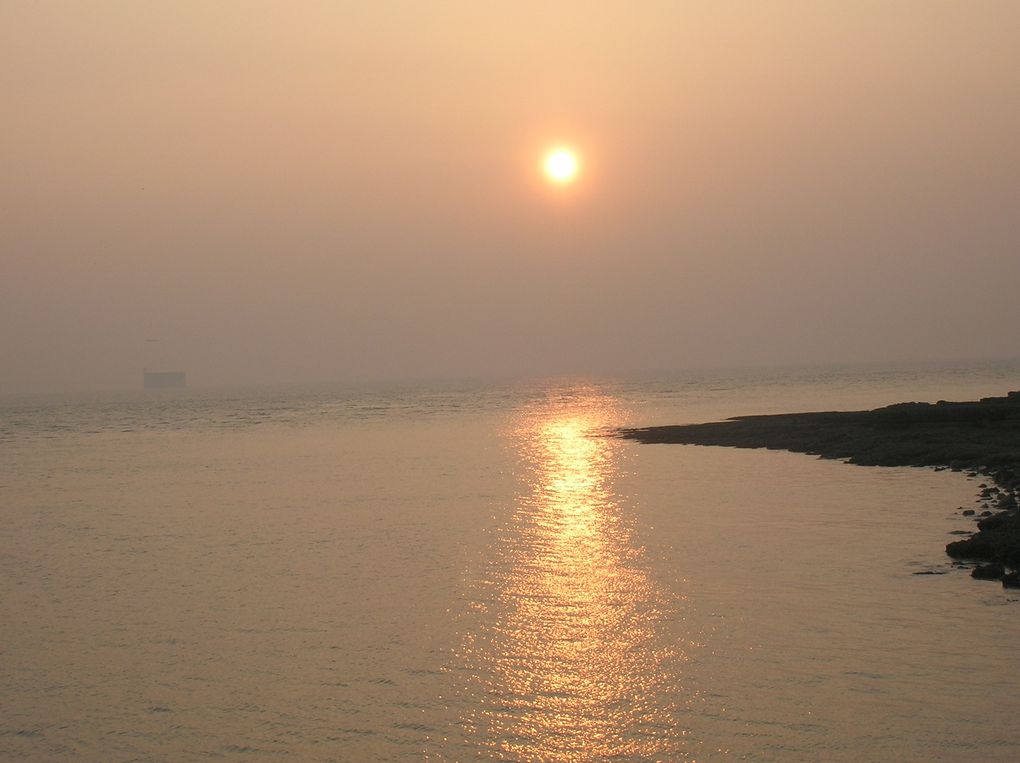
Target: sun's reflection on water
568 662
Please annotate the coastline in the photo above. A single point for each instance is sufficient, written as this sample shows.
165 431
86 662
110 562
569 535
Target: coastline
980 437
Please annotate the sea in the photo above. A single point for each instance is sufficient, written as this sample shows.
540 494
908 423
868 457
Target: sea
475 570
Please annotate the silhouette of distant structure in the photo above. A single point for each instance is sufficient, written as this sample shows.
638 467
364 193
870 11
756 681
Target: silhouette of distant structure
163 379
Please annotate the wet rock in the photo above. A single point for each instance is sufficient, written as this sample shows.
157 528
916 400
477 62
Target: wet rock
981 439
992 571
970 548
1011 580
995 521
1011 553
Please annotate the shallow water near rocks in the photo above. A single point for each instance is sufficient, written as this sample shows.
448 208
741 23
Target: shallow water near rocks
456 572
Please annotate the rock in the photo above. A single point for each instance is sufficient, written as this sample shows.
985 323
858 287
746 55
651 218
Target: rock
995 521
981 439
1011 580
970 548
1010 555
993 571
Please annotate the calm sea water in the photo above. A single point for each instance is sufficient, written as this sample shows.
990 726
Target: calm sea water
455 572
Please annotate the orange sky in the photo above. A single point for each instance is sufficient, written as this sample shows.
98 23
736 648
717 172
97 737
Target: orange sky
350 191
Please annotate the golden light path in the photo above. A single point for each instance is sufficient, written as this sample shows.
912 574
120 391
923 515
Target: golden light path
568 663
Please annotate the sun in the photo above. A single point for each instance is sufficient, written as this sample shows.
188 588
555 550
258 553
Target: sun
561 166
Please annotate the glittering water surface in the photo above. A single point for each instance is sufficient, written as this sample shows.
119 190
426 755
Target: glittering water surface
477 571
569 662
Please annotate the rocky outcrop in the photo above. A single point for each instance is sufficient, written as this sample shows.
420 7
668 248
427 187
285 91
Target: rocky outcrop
980 437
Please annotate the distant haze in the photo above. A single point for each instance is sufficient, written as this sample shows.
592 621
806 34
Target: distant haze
308 191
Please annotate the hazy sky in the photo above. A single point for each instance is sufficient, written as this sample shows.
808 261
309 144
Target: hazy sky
286 191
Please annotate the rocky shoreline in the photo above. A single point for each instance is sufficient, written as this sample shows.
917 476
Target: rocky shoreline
981 438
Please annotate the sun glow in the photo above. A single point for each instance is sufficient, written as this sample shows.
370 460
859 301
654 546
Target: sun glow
561 166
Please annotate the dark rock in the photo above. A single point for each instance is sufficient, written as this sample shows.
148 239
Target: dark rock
996 521
970 548
993 571
1011 580
1011 553
979 438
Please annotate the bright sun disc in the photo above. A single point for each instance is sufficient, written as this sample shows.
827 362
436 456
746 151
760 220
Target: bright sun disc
561 165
